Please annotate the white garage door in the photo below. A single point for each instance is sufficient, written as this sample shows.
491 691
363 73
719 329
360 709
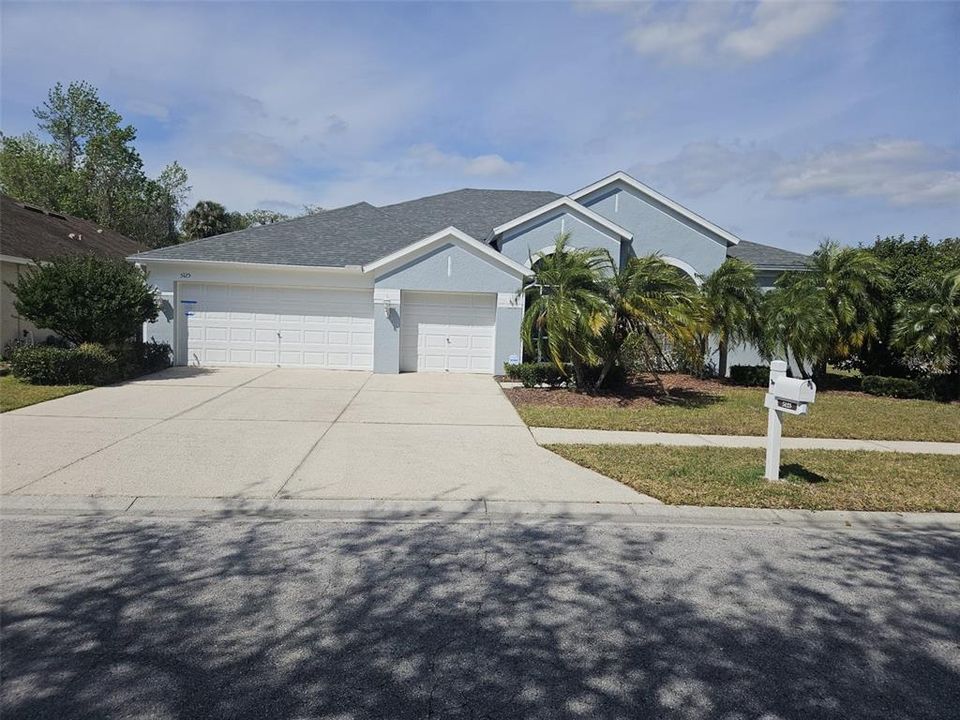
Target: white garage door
447 332
260 325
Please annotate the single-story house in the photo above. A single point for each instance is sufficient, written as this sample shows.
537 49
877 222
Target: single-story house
425 285
29 234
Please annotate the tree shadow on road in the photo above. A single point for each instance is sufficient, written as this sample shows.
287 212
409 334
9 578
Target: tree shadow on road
233 618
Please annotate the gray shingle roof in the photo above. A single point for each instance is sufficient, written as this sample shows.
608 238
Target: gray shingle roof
361 233
767 257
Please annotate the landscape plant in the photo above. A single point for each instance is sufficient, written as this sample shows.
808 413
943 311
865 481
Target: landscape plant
828 312
731 307
928 330
85 298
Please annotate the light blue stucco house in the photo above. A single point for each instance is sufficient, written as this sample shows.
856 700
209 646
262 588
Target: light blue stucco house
426 285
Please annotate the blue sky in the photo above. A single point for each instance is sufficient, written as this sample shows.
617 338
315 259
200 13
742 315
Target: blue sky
783 122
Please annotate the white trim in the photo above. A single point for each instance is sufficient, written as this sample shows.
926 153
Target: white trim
508 300
622 177
685 266
545 250
572 206
140 260
16 260
386 295
451 233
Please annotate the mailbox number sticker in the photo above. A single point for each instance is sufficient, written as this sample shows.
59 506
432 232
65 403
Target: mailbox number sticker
786 405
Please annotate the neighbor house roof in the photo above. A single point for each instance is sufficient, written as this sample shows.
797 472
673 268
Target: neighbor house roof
766 257
31 233
361 233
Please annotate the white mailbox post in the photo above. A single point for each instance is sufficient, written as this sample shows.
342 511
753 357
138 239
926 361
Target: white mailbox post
784 395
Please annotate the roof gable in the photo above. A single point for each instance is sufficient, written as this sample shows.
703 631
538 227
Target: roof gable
450 235
651 194
569 205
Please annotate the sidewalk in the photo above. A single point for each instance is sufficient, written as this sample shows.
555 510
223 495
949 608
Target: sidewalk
566 436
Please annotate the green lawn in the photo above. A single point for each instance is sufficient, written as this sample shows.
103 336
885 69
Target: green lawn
740 411
17 394
814 479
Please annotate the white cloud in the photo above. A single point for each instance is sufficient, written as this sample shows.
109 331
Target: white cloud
902 172
775 25
701 32
898 171
430 157
704 167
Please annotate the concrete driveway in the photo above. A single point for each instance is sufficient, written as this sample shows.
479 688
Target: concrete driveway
264 433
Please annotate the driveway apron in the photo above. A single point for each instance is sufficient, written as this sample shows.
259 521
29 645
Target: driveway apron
262 433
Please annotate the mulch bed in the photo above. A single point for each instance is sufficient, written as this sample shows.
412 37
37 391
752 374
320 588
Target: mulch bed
640 391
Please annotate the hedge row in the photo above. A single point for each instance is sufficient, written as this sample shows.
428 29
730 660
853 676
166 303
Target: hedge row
750 375
930 387
534 374
87 364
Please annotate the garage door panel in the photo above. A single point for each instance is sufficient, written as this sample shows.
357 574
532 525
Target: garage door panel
447 332
259 325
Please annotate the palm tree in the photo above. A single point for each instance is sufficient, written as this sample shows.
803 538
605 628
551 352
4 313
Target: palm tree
565 303
854 283
650 299
930 330
797 321
731 304
205 219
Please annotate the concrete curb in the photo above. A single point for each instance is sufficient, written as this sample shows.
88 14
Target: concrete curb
466 511
569 436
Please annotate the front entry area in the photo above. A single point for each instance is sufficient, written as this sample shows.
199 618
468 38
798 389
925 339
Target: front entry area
447 332
280 326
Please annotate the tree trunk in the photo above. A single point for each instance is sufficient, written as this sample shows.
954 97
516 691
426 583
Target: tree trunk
607 367
820 369
722 361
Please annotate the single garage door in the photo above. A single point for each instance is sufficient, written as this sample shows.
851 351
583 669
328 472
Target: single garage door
262 325
447 332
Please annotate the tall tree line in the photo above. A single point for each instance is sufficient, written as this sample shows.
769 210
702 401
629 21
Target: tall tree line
83 162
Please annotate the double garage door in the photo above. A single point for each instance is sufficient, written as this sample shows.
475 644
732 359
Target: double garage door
327 328
447 332
259 325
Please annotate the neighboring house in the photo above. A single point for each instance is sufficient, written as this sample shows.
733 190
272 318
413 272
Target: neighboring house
29 234
426 285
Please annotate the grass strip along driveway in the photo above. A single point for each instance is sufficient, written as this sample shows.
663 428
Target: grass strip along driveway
813 479
17 394
719 409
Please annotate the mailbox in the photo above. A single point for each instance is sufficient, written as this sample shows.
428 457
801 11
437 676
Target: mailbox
790 395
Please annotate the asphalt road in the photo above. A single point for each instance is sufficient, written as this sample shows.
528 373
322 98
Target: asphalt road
236 618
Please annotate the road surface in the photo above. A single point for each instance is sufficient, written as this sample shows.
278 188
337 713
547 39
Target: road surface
237 617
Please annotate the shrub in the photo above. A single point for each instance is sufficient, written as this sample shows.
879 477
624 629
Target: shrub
141 358
155 356
43 364
94 365
750 375
533 374
893 387
616 376
84 298
944 388
87 364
